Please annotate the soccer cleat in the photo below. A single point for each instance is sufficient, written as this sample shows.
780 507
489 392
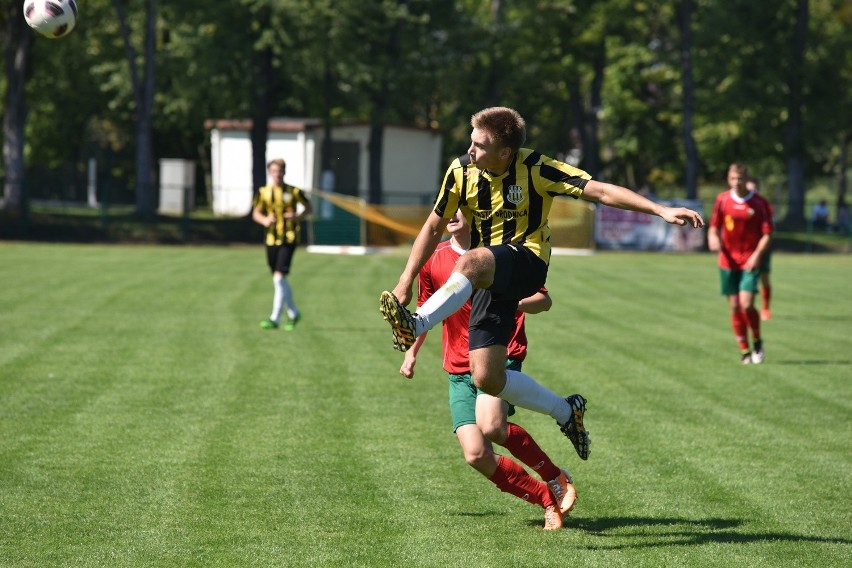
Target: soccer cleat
291 322
401 320
552 518
563 489
745 359
765 314
269 324
574 429
758 355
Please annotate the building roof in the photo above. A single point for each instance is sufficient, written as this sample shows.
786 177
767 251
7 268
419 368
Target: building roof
275 124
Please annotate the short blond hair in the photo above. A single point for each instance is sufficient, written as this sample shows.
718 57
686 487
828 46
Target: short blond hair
504 126
277 162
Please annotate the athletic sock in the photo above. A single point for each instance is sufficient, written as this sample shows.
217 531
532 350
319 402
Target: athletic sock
511 478
740 325
522 390
287 297
277 298
525 448
446 301
753 318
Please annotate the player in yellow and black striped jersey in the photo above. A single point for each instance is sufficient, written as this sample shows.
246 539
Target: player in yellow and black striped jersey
512 207
276 207
505 191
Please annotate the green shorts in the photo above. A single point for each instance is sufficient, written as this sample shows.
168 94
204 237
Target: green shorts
735 281
463 395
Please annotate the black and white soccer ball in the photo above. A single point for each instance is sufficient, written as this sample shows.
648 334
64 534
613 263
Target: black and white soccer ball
51 18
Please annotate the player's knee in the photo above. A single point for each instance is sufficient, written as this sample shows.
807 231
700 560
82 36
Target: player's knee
478 458
476 265
496 432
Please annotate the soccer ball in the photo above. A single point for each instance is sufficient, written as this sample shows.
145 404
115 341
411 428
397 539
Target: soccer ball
51 18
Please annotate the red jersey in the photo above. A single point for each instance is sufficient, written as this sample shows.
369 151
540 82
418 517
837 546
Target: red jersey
741 222
454 345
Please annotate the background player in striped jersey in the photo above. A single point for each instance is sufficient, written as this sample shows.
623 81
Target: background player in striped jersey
741 231
276 207
478 418
506 191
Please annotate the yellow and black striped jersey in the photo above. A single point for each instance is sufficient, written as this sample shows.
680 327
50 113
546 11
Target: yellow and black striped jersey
278 200
511 208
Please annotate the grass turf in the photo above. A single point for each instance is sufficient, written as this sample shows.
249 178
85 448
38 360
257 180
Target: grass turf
147 420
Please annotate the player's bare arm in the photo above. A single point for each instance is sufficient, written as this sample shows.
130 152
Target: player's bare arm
535 304
753 263
713 242
623 198
410 360
423 247
261 219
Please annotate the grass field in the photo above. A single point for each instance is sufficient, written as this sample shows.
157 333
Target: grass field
147 420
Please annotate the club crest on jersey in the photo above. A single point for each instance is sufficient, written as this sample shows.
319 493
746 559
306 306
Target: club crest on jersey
514 194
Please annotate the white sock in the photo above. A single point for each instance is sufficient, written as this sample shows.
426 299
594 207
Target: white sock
446 301
287 297
277 298
522 390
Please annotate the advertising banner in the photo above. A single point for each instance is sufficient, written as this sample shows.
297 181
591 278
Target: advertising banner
616 229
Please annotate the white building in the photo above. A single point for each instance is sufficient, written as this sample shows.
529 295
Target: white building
411 160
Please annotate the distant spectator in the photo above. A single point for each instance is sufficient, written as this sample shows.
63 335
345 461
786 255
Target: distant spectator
820 215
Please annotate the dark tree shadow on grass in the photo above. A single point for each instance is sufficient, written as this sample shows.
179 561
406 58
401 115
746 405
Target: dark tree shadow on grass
659 532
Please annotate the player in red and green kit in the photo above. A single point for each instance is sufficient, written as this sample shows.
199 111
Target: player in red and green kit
741 231
480 419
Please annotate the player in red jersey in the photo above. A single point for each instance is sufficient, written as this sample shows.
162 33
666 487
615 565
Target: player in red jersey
741 231
478 418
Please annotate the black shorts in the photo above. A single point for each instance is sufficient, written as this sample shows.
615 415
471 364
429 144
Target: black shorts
279 257
518 274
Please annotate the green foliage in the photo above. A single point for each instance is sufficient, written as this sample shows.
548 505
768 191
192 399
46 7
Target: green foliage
434 63
148 421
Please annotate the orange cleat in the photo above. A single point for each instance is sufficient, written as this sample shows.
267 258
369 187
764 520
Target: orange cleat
552 518
564 491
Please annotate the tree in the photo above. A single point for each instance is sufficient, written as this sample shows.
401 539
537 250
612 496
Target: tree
143 96
794 141
17 41
690 148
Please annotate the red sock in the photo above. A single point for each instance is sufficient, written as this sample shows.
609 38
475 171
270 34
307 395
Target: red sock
740 325
753 318
766 294
511 478
523 447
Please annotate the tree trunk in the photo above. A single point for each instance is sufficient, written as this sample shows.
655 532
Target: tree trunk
264 87
17 41
794 140
375 148
690 148
380 98
592 152
143 95
842 180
